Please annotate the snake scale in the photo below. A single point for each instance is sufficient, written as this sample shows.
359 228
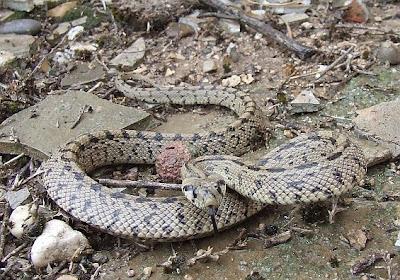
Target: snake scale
308 168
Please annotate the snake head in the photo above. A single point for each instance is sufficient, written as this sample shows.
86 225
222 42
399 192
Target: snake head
205 193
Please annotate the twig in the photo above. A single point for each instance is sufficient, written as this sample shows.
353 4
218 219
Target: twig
6 216
12 160
340 58
139 184
85 109
45 57
365 263
15 251
95 273
217 15
293 4
301 51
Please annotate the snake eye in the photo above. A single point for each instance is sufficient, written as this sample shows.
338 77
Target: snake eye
220 182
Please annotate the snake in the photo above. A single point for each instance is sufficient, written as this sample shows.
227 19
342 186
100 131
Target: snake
308 168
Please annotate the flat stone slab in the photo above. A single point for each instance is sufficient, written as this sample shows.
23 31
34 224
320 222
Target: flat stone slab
380 123
17 44
39 130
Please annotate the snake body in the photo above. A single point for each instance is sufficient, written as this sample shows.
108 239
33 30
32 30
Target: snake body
288 174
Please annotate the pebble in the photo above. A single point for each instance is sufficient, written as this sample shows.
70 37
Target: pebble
209 66
6 58
57 242
389 52
16 198
21 218
21 26
230 26
130 273
74 32
179 30
305 102
100 257
67 277
132 56
232 81
61 10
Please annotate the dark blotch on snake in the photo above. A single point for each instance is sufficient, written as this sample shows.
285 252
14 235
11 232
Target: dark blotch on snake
334 156
178 137
78 176
306 165
117 195
109 135
196 137
158 136
143 199
170 200
125 134
95 187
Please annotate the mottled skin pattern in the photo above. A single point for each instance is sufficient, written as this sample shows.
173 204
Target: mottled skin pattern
310 168
175 218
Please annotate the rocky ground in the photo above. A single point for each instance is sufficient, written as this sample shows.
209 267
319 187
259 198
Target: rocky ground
348 83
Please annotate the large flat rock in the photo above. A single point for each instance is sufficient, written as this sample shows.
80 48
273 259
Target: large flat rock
39 130
380 123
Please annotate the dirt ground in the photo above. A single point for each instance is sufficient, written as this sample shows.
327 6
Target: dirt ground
368 221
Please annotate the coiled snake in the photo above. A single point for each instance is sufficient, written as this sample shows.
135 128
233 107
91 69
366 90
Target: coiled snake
309 168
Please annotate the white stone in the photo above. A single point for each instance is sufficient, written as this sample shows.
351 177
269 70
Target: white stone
230 25
58 242
232 81
209 66
80 47
74 32
131 56
21 218
305 102
6 57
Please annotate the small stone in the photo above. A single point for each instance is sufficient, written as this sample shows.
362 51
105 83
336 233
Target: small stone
230 26
67 277
21 218
21 26
293 18
147 271
170 160
130 273
356 12
209 66
79 21
83 47
74 32
62 28
389 52
100 257
397 244
169 72
305 102
132 56
247 78
260 12
378 19
15 198
187 277
307 25
258 36
19 5
179 30
232 81
61 10
58 242
6 58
